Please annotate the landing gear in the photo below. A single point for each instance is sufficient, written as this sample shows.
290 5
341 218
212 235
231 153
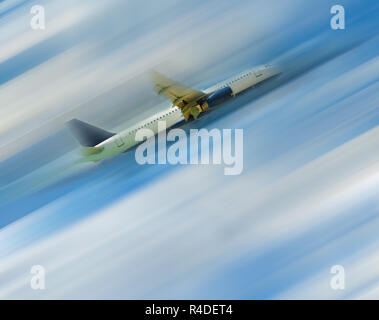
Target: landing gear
205 106
195 111
192 110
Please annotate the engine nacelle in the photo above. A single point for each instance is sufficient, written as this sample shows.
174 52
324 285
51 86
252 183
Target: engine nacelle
219 96
215 98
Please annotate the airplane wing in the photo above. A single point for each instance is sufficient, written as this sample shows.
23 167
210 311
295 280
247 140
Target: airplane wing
186 98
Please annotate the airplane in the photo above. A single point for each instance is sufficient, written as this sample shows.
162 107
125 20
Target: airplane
187 104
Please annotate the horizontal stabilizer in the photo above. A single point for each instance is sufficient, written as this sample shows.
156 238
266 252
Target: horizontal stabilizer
87 134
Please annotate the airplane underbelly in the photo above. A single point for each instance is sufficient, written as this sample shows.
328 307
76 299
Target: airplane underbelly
243 85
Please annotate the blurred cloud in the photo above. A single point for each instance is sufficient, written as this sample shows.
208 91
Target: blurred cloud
307 198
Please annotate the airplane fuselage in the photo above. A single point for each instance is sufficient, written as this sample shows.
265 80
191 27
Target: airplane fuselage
218 93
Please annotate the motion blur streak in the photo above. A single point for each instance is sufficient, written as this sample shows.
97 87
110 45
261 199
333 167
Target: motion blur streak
307 198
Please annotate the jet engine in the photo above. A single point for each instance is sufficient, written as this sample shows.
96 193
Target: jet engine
210 101
216 98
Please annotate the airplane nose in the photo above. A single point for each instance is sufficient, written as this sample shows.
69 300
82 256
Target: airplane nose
275 69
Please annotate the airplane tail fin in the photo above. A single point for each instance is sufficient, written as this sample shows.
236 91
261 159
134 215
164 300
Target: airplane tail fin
87 134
